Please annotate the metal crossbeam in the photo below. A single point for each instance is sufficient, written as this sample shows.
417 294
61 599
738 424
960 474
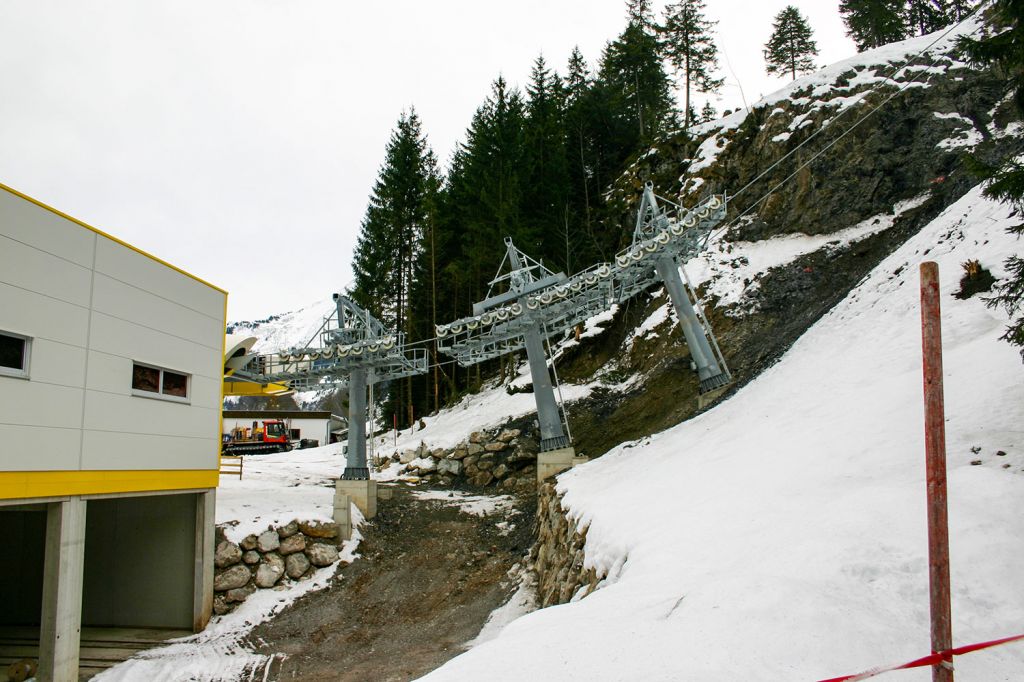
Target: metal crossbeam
352 348
540 304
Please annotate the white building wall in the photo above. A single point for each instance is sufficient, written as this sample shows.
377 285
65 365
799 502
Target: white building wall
92 307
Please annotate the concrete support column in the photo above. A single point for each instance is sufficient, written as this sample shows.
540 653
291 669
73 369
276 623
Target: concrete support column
202 598
355 467
64 566
710 374
361 492
552 436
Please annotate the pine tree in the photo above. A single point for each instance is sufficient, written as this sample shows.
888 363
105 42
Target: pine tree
546 189
689 45
640 12
708 113
391 234
873 23
926 16
958 10
791 48
1003 48
637 89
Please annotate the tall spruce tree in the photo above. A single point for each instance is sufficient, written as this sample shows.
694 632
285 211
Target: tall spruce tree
873 23
1003 48
637 88
926 16
958 10
689 45
791 47
546 189
391 235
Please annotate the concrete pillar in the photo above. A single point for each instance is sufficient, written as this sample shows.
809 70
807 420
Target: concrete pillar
551 434
64 566
343 514
362 492
710 373
554 462
202 598
355 462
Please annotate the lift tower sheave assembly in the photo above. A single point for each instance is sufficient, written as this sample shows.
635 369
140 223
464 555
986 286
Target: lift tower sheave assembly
353 348
539 304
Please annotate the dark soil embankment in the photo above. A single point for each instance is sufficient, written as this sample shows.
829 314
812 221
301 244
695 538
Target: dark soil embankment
427 578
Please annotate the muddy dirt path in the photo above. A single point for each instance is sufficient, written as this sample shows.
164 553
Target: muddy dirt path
428 576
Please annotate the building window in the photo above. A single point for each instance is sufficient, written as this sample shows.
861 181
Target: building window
156 382
14 355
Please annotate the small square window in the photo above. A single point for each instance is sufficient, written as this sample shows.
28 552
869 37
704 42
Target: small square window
154 382
146 379
175 384
14 354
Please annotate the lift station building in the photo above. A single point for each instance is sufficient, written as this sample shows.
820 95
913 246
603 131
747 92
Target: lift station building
111 368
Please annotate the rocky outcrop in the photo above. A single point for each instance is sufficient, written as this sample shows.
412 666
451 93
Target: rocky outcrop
557 556
273 558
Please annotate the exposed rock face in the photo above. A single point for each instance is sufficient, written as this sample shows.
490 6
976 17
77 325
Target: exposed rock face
557 556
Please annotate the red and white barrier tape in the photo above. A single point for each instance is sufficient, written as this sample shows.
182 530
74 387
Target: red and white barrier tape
930 660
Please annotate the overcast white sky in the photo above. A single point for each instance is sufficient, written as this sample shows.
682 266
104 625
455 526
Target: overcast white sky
239 139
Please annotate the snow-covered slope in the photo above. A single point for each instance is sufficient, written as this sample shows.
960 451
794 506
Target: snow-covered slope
781 536
287 330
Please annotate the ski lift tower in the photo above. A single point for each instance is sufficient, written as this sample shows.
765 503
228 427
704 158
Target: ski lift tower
351 348
539 304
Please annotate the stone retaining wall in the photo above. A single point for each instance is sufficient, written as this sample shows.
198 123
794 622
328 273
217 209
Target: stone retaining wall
557 553
500 458
274 558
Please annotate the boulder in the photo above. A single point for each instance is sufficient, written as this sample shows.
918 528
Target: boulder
407 456
321 555
485 464
251 557
509 483
221 606
459 452
508 434
470 461
270 571
482 479
293 544
500 471
227 554
248 542
477 437
496 446
438 453
231 578
296 565
239 594
449 466
475 448
319 529
268 541
288 530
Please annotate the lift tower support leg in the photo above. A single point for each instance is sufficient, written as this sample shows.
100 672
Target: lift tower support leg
708 370
355 483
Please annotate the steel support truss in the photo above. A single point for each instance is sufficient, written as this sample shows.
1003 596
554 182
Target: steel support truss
539 304
352 348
